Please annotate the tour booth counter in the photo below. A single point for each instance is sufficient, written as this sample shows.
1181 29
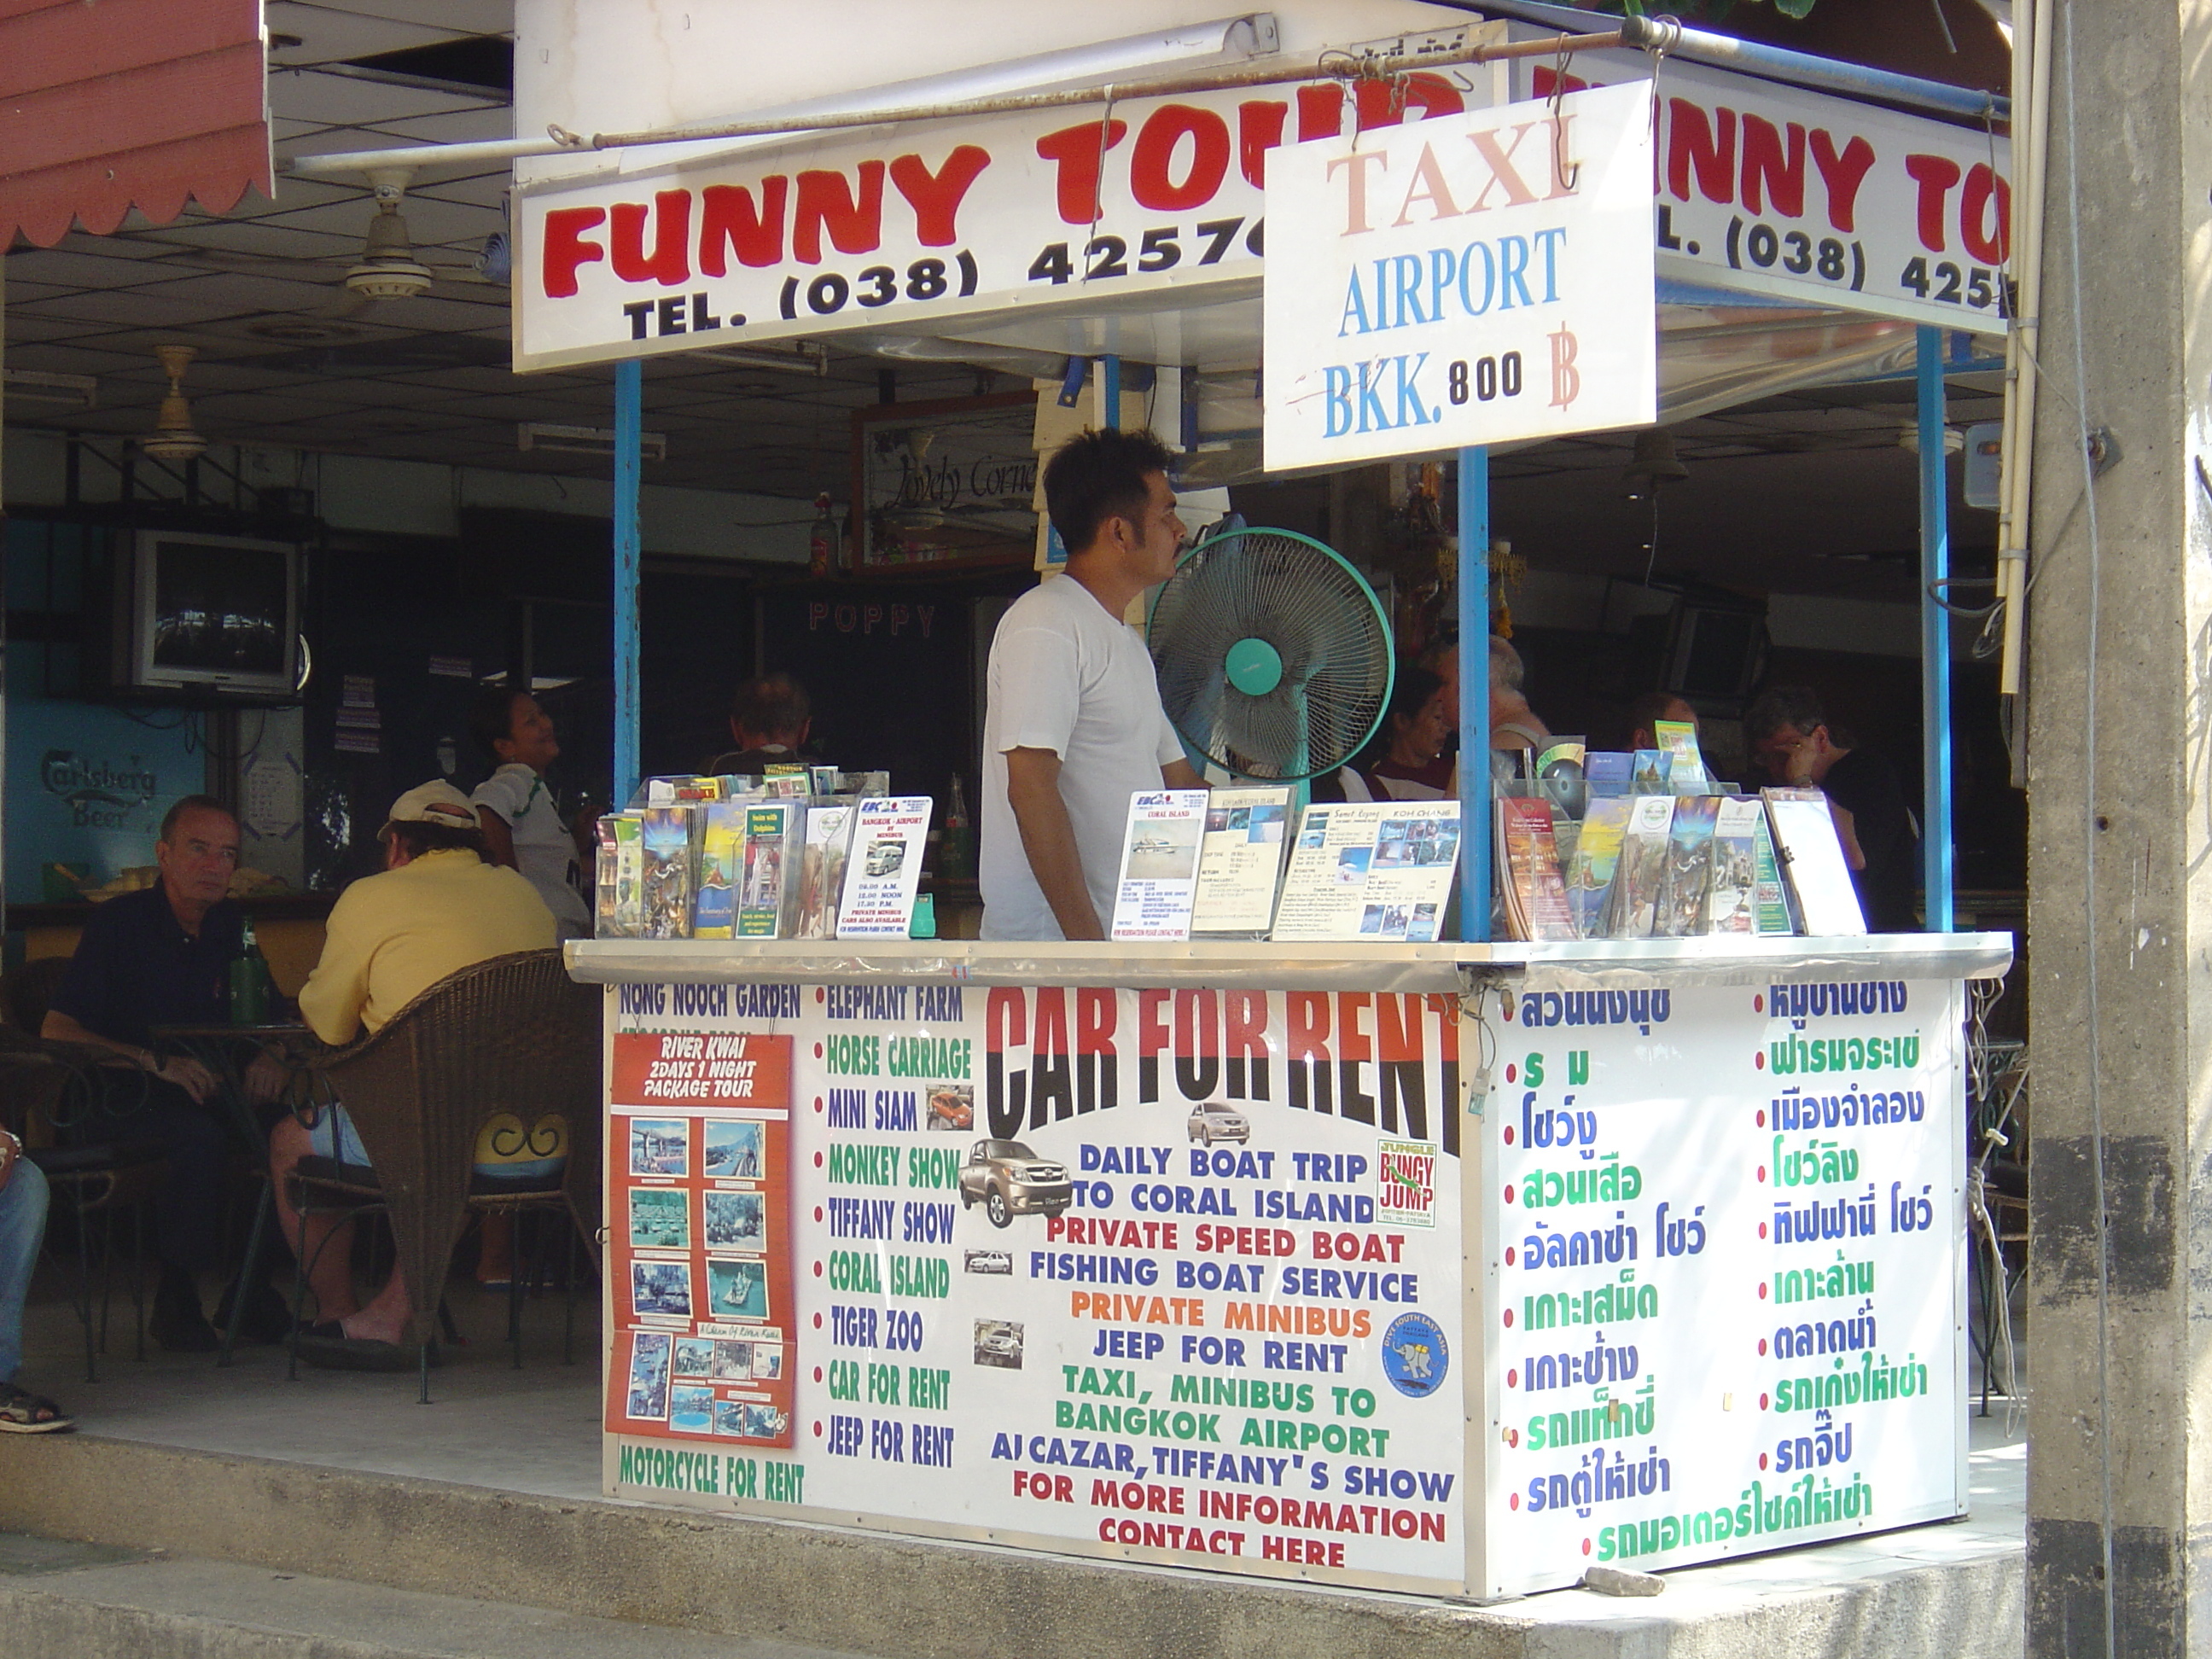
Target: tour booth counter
1457 1268
1451 1269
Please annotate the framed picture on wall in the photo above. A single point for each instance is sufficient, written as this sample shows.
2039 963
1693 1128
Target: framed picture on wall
944 484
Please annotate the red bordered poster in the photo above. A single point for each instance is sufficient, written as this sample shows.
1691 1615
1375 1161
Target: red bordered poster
699 1235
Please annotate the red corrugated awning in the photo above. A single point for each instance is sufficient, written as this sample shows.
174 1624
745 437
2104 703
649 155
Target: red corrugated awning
108 105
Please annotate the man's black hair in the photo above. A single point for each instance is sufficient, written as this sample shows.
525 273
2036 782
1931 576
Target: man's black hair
774 707
1098 475
1650 708
492 718
1778 705
190 804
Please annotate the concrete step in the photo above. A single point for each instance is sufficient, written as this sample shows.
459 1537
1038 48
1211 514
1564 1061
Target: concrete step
64 1601
1946 1592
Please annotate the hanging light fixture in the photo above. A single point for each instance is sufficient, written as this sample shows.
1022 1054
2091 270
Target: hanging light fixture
173 438
388 268
1653 466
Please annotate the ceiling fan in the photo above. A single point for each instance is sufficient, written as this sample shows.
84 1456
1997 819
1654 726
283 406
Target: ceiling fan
386 271
174 437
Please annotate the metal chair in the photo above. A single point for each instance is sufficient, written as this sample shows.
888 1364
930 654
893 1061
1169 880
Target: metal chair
514 1033
46 1088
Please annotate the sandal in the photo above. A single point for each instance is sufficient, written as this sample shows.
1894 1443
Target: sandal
24 1412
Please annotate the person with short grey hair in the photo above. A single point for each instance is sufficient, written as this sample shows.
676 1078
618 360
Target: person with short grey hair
770 719
1513 724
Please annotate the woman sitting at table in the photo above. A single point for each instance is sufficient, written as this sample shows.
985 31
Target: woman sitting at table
1406 759
438 907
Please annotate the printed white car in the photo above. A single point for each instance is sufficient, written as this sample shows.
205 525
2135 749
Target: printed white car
1213 1120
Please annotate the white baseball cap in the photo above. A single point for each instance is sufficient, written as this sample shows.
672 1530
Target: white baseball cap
437 803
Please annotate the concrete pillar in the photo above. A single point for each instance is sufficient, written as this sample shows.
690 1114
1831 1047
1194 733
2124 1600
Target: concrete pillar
2119 1532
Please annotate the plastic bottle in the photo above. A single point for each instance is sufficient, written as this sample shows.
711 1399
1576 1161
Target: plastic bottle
249 981
956 858
822 540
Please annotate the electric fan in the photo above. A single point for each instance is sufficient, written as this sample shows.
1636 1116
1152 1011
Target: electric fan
1274 656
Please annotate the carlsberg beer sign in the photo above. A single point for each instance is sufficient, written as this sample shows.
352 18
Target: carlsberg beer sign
1477 279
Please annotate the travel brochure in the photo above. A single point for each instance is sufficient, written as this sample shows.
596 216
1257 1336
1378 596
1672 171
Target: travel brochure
822 869
884 868
1660 853
1240 861
1153 898
1371 871
1610 847
1812 859
711 857
1534 892
1682 866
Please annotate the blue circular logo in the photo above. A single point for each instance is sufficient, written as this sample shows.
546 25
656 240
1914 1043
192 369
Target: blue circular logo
1415 1356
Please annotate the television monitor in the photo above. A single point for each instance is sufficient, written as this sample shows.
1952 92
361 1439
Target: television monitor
1715 653
217 615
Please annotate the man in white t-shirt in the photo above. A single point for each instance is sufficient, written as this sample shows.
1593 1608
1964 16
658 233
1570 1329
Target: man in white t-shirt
1073 724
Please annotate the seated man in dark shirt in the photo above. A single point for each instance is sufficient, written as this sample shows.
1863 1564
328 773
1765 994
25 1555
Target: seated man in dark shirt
1789 732
161 957
769 721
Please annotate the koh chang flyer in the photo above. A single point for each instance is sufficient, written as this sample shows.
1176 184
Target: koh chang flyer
1164 1276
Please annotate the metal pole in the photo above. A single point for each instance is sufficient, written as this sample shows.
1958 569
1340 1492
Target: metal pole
630 419
1651 34
1109 392
1474 808
1771 62
1935 637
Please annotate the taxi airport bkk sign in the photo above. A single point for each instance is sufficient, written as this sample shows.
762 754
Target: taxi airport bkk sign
1254 1280
1472 280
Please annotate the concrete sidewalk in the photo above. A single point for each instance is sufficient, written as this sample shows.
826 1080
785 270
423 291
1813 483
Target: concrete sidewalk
61 1600
443 1526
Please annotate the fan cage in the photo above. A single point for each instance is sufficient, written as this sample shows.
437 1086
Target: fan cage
1318 613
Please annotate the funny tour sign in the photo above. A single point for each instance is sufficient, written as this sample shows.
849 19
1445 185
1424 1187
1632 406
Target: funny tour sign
1261 1281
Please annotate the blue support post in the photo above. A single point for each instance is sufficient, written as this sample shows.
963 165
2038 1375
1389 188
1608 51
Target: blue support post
630 416
1474 693
1935 637
1109 392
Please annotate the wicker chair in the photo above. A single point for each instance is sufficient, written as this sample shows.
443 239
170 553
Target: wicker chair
514 1033
46 1087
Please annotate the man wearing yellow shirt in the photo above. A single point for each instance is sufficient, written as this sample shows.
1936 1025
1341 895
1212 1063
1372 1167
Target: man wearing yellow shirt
438 907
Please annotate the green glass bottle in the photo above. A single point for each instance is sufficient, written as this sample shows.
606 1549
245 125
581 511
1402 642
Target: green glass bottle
249 981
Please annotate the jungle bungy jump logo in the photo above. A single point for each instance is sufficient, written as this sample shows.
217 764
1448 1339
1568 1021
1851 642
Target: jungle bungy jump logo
98 795
1405 1183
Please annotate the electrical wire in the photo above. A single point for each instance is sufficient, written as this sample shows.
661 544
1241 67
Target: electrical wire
2089 849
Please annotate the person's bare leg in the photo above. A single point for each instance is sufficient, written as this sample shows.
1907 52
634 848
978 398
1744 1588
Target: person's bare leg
384 1319
325 1244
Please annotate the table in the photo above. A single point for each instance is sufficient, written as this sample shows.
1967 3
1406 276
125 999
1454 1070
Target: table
224 1050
